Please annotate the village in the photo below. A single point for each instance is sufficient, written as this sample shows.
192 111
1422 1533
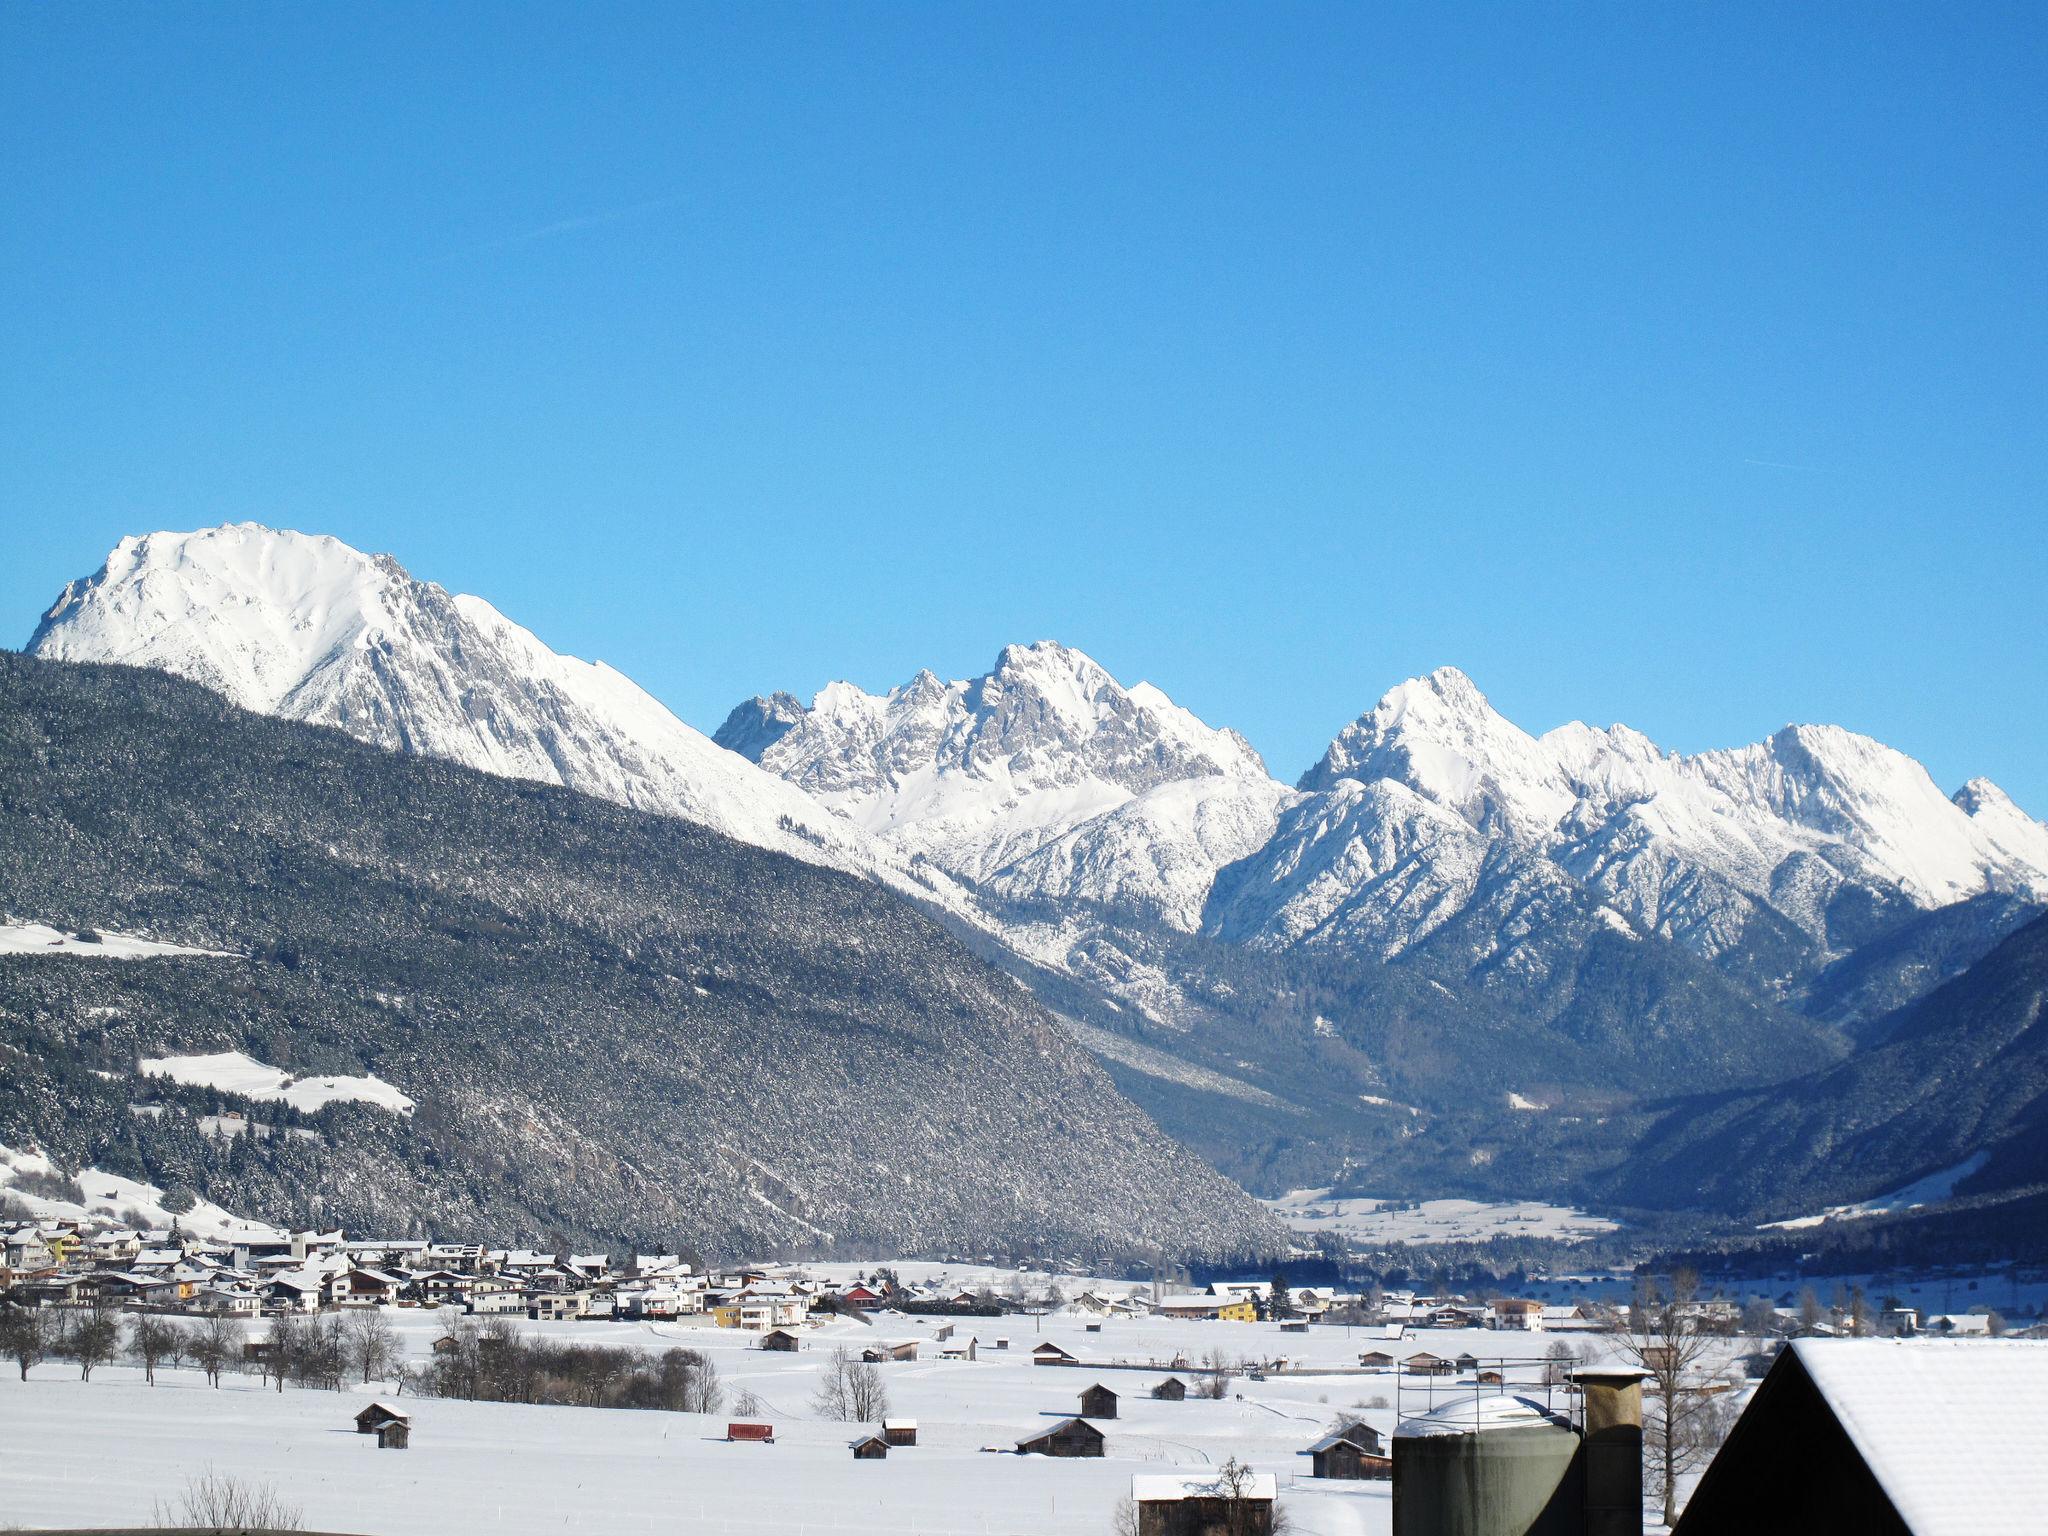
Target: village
1107 1404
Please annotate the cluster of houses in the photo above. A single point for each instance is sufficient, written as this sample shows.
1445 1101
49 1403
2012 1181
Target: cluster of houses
68 1264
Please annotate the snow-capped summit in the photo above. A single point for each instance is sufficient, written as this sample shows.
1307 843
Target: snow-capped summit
305 627
1701 848
1046 748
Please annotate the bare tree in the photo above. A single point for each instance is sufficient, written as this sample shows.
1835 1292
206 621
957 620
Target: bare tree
1242 1515
371 1343
746 1405
25 1335
214 1501
92 1340
1810 1311
150 1339
286 1344
1559 1361
1216 1384
216 1345
1759 1317
1684 1419
850 1390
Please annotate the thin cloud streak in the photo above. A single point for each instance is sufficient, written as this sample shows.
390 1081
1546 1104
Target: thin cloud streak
560 227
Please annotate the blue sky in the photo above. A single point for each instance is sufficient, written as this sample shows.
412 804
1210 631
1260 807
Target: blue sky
1682 365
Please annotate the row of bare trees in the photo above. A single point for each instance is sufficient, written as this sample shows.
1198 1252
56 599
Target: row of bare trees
494 1362
323 1351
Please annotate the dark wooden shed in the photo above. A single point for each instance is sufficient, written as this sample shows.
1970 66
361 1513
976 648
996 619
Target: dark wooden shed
394 1435
376 1415
1098 1402
1171 1390
1354 1453
1069 1437
780 1339
1177 1506
870 1448
900 1431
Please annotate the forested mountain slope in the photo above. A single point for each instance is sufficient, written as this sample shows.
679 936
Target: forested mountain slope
614 1025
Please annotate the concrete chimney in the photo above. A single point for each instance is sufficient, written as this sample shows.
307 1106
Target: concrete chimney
1612 1451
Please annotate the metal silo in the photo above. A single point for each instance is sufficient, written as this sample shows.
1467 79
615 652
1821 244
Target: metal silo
1488 1465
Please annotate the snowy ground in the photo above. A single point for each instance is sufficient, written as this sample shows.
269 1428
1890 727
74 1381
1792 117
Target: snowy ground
100 1453
41 939
234 1072
1433 1221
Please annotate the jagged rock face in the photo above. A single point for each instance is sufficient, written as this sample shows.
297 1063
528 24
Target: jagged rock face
980 775
1803 846
305 628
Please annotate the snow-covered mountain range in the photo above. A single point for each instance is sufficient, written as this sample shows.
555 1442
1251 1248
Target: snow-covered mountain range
1048 781
306 628
1445 911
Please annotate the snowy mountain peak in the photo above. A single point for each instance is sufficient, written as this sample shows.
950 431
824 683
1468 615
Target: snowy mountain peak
305 627
978 773
1440 737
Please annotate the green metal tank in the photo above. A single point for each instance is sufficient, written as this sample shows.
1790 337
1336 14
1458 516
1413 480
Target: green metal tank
1488 1465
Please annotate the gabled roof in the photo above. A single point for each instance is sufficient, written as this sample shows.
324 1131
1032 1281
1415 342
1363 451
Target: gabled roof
1173 1487
1951 1431
1358 1436
1064 1424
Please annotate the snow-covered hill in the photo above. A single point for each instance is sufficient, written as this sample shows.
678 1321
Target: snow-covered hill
304 627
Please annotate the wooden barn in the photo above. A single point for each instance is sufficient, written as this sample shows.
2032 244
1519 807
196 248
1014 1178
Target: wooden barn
1179 1505
1050 1353
1098 1402
1171 1390
900 1431
1884 1437
1376 1360
394 1435
1355 1452
870 1448
780 1339
377 1414
881 1354
1069 1437
1423 1363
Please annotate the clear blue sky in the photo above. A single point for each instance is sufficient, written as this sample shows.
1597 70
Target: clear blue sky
1679 364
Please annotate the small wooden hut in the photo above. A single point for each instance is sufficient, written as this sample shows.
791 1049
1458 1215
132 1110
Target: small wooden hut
1098 1402
1171 1390
1069 1437
870 1448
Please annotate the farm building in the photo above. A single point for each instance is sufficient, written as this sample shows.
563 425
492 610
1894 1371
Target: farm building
376 1414
1376 1360
1050 1353
870 1448
1353 1452
1171 1390
1177 1505
394 1435
1098 1402
1226 1308
1069 1437
878 1354
1885 1437
780 1339
900 1431
1423 1363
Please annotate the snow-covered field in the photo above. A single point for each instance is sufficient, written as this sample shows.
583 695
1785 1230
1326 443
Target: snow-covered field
233 1072
101 1453
1432 1221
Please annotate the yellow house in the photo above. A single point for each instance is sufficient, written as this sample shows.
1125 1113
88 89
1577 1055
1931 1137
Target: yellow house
1239 1311
726 1314
61 1245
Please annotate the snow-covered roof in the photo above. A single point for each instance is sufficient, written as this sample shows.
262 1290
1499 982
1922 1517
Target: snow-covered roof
1480 1414
1952 1431
1154 1488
